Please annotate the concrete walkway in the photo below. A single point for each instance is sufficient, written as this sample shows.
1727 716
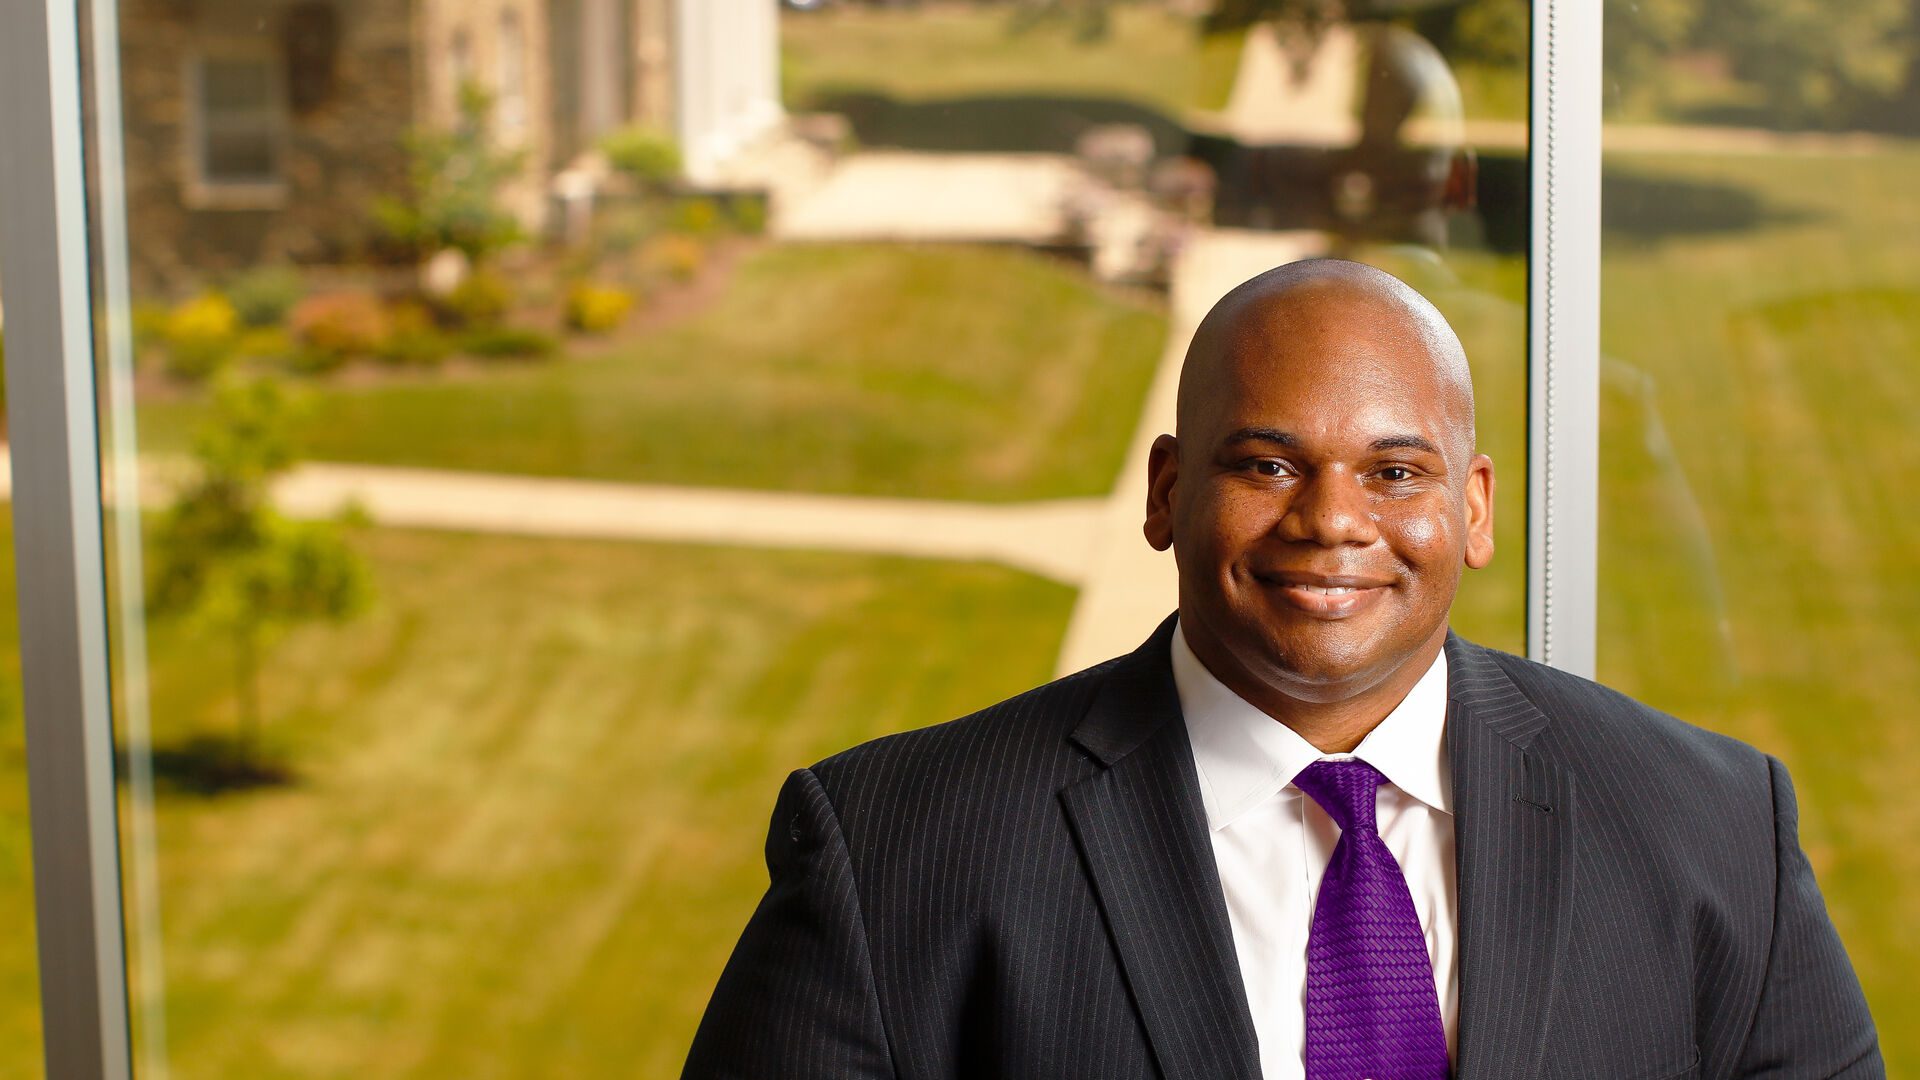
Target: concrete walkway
900 195
1049 538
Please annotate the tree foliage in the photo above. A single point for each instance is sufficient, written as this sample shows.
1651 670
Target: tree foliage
456 176
1636 36
222 555
1810 62
1816 61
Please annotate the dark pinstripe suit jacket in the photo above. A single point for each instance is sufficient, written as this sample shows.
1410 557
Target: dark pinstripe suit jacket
1030 892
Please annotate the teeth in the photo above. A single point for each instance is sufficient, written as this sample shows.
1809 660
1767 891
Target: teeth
1328 590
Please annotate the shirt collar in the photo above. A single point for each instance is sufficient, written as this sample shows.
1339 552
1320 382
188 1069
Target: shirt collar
1245 757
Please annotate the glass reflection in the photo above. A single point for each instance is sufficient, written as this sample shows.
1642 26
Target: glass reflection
557 420
1760 299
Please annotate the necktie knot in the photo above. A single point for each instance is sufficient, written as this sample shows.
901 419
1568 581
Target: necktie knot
1346 790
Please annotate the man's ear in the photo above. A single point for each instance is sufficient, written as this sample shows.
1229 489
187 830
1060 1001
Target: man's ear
1479 511
1163 467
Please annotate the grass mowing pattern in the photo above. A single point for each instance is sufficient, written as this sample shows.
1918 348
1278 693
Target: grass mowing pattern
933 372
533 785
1774 596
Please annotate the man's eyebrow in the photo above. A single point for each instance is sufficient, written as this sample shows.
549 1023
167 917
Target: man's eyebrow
1263 434
1404 442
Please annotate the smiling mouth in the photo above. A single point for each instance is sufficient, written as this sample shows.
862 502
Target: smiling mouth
1325 598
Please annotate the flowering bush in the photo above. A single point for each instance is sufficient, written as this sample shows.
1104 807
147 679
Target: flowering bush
200 334
332 328
596 309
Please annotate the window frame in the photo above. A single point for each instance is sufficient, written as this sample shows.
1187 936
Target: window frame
207 192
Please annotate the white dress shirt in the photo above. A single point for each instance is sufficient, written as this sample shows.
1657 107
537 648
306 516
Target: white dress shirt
1271 842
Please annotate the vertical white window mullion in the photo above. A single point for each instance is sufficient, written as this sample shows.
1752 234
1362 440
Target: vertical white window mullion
1563 346
60 561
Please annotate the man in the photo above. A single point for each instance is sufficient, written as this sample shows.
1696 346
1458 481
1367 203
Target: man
1303 830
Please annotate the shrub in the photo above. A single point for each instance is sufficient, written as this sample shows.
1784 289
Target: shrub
264 296
508 343
149 319
650 157
748 213
456 176
332 328
200 335
264 343
676 256
308 360
699 216
481 299
622 228
596 309
413 339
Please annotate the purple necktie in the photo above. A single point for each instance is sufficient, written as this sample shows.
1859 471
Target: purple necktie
1371 1007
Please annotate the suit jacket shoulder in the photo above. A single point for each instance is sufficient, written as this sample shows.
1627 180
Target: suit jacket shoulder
1693 926
946 791
1602 729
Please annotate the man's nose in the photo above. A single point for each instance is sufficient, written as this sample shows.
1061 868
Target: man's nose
1329 508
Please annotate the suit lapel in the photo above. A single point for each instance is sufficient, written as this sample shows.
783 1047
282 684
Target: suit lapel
1143 835
1513 832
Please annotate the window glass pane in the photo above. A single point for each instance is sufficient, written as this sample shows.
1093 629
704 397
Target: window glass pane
631 402
242 86
239 156
1761 332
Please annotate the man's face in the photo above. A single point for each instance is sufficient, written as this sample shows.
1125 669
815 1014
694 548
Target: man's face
1321 502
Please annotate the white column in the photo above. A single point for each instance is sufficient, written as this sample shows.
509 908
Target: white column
726 79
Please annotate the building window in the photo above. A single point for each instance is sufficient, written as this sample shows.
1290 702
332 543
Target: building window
237 128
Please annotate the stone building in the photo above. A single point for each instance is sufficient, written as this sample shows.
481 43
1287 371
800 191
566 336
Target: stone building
265 130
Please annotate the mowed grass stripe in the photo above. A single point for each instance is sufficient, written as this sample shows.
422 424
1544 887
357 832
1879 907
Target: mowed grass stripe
533 788
1765 586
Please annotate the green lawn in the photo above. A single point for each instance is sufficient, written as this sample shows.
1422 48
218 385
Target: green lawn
936 372
1767 587
528 817
1151 57
19 962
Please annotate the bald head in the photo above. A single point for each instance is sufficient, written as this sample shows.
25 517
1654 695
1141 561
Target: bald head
1322 311
1322 497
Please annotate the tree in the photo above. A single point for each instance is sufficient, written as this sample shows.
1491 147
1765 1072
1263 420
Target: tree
1816 62
456 176
1638 33
225 557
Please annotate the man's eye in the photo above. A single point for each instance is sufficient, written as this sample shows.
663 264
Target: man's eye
1268 467
1396 473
